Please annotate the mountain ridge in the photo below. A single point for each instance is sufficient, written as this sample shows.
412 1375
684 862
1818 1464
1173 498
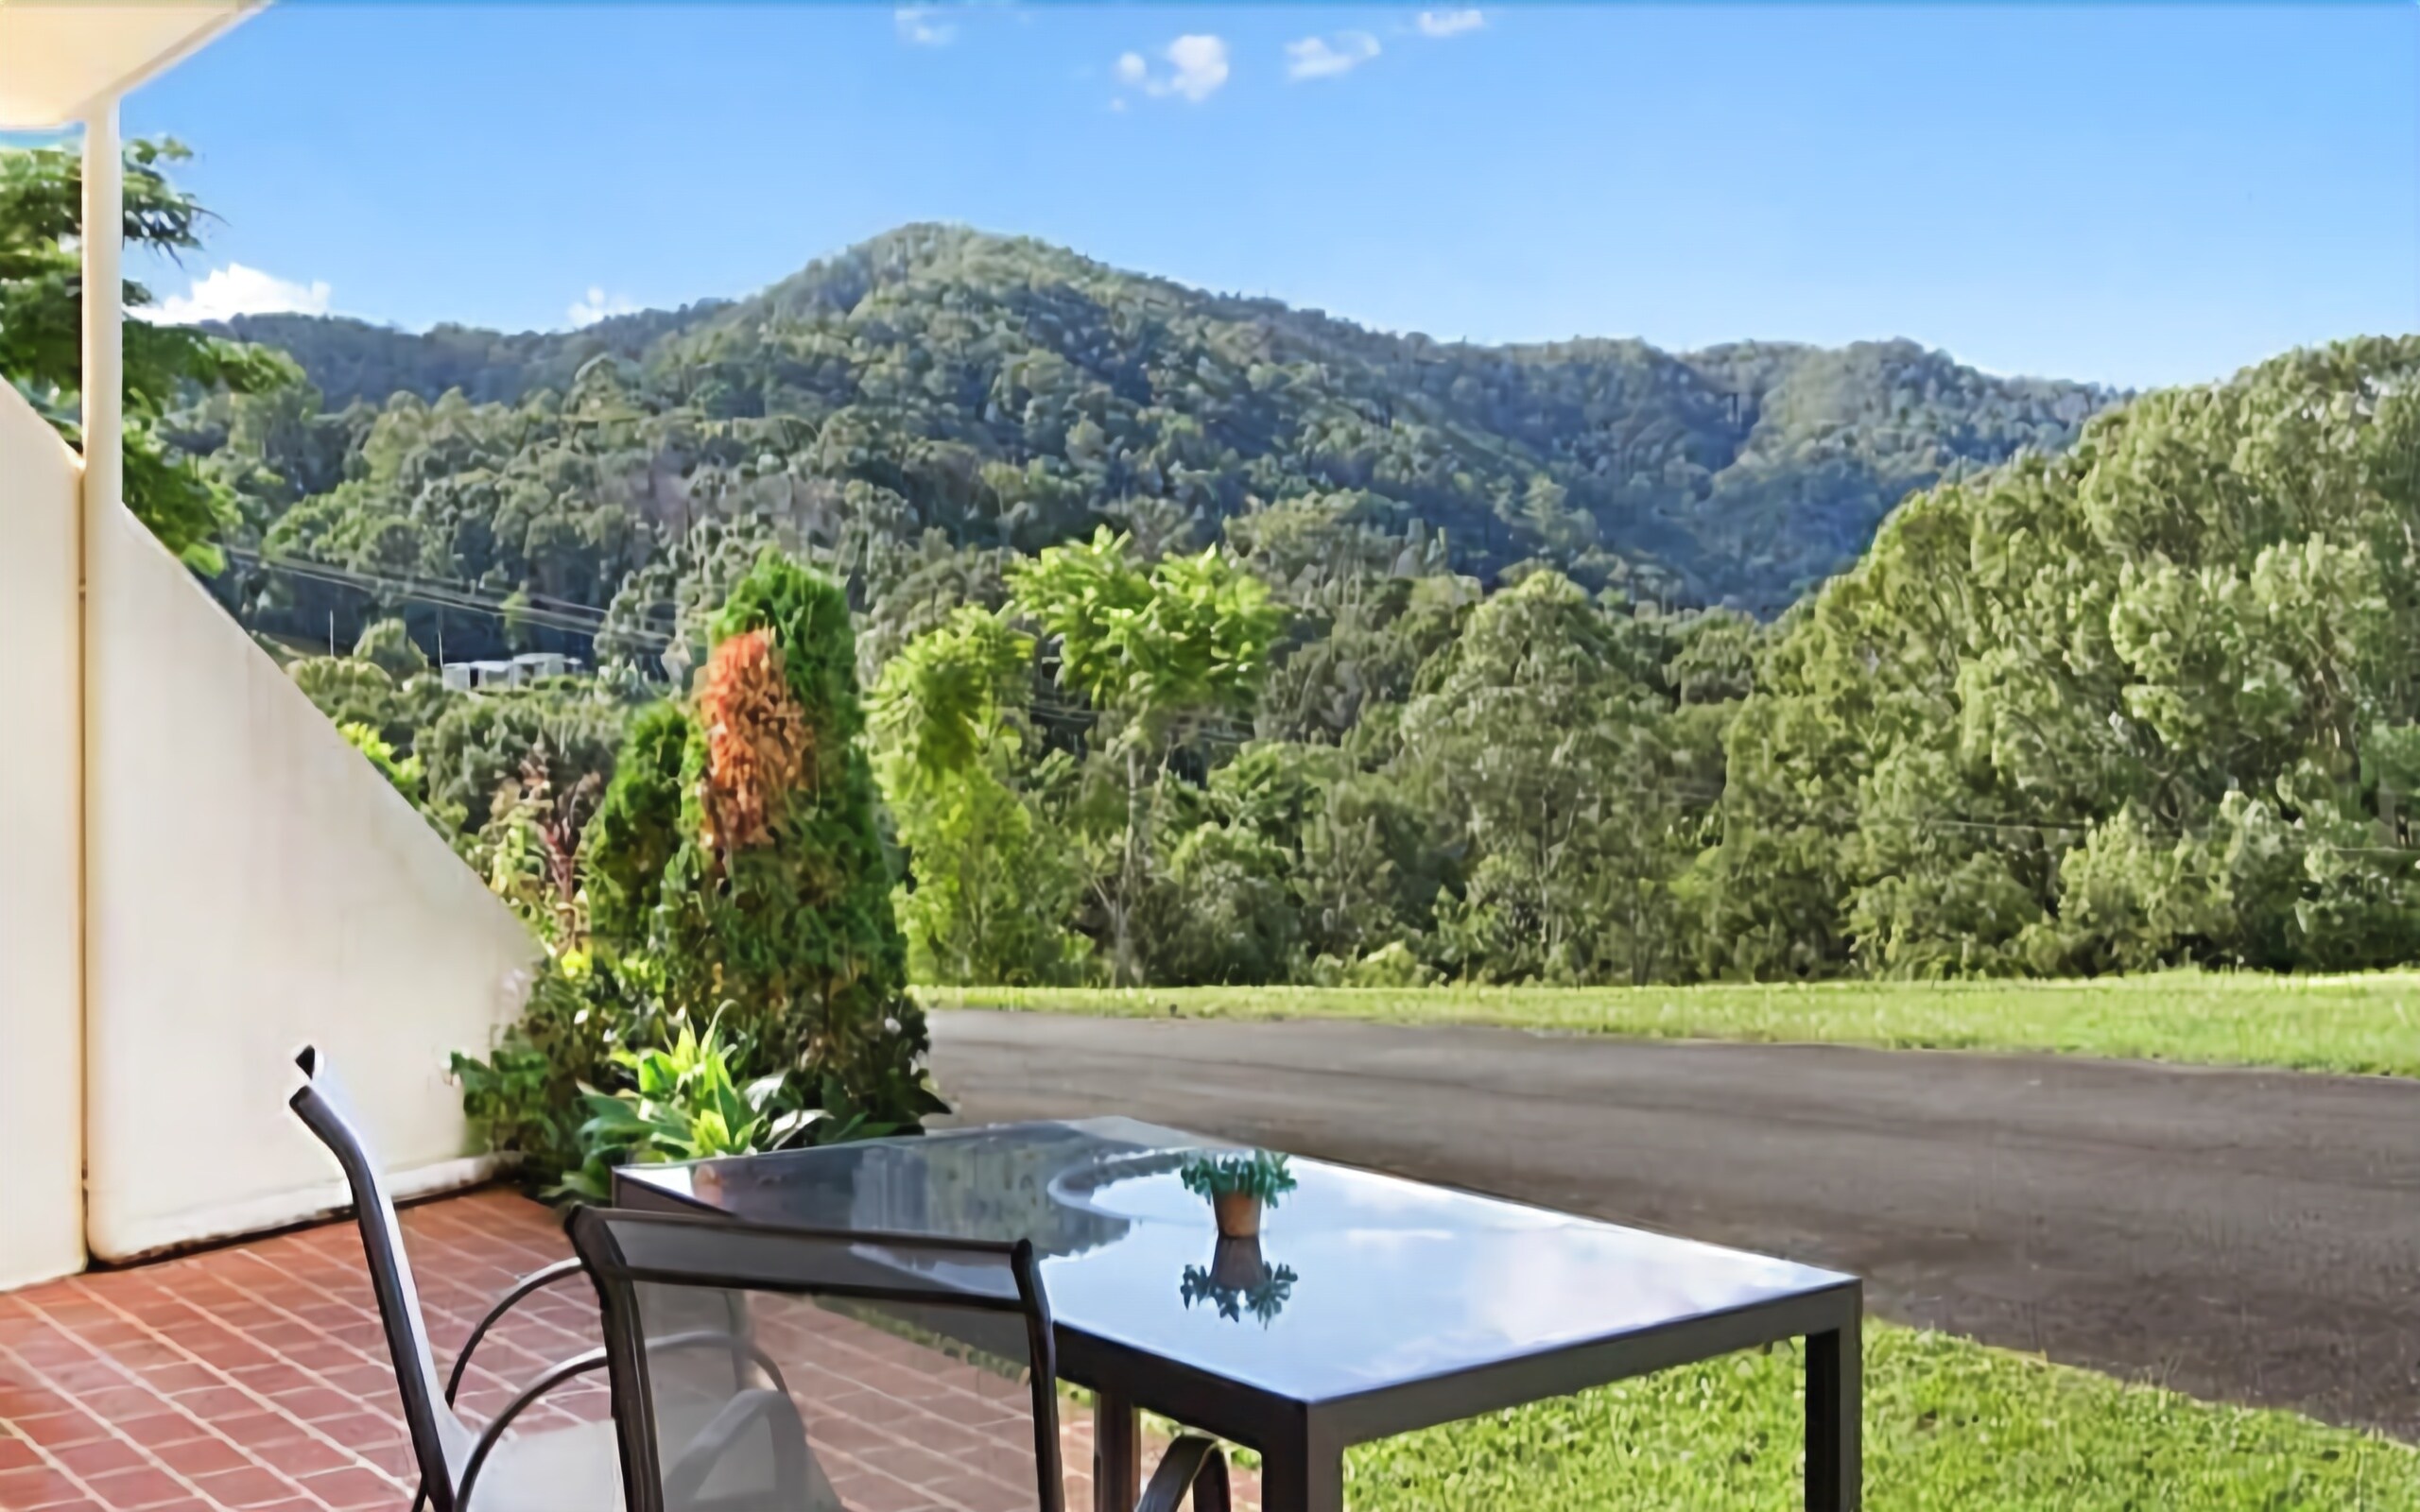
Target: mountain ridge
1740 474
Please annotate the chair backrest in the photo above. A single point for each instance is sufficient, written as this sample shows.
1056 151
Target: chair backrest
440 1441
818 1370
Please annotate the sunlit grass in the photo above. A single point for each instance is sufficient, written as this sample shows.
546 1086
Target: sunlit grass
2344 1024
1950 1425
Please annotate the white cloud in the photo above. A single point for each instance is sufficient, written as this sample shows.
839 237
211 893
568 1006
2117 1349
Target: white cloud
1319 58
1201 66
1450 23
1196 69
598 305
232 290
918 24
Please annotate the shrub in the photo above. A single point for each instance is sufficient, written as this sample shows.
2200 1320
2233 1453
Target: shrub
403 772
766 896
731 876
530 850
525 1097
1223 914
637 825
476 749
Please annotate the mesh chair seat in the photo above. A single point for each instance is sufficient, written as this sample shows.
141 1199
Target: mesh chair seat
563 1470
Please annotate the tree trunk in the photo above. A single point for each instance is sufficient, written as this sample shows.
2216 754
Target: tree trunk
1123 971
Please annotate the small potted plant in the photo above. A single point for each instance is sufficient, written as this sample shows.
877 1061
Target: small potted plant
1239 1183
1238 1280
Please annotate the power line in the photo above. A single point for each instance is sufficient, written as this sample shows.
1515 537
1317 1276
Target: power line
535 610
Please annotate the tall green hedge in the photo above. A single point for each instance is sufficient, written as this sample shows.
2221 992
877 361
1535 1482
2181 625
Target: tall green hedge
790 941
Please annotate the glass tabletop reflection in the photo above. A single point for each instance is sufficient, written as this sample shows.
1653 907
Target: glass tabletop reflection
1359 1280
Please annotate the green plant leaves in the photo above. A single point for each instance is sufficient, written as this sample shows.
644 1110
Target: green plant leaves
1264 1176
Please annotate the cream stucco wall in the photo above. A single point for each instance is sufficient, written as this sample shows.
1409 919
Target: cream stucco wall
42 1217
254 885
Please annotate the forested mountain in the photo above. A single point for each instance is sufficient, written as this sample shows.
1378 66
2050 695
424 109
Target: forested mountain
347 359
2142 698
1005 394
2151 701
1209 639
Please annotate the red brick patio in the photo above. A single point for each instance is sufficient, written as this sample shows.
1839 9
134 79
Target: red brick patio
255 1377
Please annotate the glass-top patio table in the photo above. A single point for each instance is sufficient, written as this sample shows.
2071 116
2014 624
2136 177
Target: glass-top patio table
1369 1306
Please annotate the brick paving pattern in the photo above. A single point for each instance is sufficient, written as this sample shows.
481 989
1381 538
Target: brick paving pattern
255 1377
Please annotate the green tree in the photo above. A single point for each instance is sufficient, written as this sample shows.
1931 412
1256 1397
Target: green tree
41 332
993 885
2133 705
1162 649
477 753
388 646
1542 726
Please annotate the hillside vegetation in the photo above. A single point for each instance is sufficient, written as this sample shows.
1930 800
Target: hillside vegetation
1008 394
1442 700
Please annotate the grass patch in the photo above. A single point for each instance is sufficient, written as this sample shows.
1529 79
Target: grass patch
2344 1024
1951 1426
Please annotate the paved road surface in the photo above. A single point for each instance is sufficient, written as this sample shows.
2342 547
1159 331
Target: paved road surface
2247 1236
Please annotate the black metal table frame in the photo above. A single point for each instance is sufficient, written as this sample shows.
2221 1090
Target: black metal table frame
1301 1445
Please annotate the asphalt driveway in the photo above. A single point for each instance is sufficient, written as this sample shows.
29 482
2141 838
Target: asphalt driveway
2241 1235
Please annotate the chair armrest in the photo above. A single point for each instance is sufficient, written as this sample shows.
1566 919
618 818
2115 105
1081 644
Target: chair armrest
1192 1464
504 1304
494 1432
715 1338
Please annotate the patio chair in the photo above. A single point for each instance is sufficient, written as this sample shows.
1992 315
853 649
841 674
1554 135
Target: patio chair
719 1463
571 1469
920 1371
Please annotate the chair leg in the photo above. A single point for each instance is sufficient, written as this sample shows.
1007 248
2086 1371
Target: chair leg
1193 1463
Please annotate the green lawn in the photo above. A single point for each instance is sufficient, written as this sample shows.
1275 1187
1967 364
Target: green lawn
2355 1023
1950 1427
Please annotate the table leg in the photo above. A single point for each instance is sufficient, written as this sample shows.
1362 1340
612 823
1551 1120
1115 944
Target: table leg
1117 1453
1302 1477
1834 1420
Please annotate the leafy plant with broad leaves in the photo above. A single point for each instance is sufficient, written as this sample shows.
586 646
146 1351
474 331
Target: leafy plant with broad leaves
686 1104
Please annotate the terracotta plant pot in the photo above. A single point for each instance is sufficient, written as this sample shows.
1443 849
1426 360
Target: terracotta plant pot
1237 1265
1238 1214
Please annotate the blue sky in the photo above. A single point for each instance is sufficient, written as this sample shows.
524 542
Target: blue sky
2137 196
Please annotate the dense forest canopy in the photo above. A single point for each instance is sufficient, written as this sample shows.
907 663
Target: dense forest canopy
2151 701
939 392
2156 699
2121 684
